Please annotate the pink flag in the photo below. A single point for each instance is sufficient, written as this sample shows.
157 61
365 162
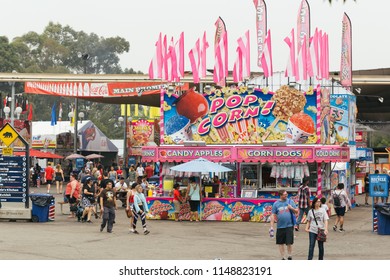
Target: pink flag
261 27
179 50
324 57
346 53
313 57
194 56
155 67
165 58
220 53
172 62
301 70
303 25
290 70
205 45
237 67
266 57
245 55
326 74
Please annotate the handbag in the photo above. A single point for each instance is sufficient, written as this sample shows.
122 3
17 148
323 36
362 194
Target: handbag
321 236
293 218
129 213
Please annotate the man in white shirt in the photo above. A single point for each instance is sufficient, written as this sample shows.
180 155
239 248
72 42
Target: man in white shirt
121 189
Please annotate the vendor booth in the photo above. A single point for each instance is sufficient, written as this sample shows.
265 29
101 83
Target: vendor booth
272 139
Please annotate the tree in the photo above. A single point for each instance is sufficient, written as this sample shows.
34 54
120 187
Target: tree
59 49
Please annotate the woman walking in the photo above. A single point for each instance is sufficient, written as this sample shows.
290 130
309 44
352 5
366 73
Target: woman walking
88 199
140 209
130 204
317 218
59 177
340 202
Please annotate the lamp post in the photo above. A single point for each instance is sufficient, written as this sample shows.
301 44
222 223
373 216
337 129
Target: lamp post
12 84
85 57
124 121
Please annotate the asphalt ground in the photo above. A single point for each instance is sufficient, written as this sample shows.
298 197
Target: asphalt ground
67 239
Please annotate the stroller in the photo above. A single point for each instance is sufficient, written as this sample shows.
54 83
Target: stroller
79 211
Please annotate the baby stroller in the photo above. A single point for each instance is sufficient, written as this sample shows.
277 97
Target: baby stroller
79 211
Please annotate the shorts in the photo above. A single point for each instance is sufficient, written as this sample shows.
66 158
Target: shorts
340 211
176 203
366 189
49 181
194 205
285 236
58 179
71 200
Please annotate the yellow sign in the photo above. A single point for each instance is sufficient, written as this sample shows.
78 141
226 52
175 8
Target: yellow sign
8 134
8 152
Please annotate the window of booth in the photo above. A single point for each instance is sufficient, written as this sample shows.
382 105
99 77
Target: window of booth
250 176
289 175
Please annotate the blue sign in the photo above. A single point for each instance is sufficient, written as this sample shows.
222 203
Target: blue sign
79 163
379 185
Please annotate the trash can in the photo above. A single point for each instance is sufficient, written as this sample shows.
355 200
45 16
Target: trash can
383 211
42 207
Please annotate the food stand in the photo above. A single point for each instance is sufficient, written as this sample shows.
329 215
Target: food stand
273 139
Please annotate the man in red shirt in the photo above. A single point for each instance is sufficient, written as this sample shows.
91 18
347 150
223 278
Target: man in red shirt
149 171
49 174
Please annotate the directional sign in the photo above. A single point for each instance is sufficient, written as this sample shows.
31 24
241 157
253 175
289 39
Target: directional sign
8 134
13 199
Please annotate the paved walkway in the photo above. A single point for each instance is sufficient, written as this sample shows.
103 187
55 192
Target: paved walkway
67 239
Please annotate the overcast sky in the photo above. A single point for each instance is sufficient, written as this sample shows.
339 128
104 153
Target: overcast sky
140 21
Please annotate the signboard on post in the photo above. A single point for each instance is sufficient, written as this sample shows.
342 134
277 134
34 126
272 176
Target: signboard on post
14 170
379 185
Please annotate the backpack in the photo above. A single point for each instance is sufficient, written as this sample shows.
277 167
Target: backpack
336 199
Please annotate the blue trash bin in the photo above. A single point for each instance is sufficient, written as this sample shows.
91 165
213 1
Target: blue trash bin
383 211
40 206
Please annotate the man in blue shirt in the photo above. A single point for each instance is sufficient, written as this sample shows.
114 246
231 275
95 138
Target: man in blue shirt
282 211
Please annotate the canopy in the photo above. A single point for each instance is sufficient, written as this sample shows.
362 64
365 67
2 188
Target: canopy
74 156
39 154
93 156
200 165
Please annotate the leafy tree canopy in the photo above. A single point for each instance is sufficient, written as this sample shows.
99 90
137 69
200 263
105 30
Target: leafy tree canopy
60 49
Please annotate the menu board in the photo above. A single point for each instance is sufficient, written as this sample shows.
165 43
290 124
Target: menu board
13 179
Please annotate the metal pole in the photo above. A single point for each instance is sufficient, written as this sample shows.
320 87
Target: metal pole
76 103
12 103
125 139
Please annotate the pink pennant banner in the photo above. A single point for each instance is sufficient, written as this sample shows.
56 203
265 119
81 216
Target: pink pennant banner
290 70
266 57
346 53
303 25
155 67
194 56
261 27
205 45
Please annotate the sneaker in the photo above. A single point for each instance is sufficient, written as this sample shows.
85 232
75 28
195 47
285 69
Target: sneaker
109 231
146 232
101 228
289 258
367 204
341 230
135 232
334 228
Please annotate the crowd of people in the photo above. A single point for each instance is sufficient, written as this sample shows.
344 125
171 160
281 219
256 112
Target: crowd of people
94 192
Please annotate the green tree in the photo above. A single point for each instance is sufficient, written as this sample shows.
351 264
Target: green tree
60 49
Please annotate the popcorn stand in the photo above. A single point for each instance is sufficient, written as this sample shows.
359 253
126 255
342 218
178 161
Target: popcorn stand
272 139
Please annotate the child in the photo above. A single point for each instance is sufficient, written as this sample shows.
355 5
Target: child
325 206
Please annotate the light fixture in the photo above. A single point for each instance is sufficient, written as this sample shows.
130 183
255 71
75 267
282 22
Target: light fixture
70 116
358 90
194 143
81 116
250 89
129 119
207 89
18 112
6 111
